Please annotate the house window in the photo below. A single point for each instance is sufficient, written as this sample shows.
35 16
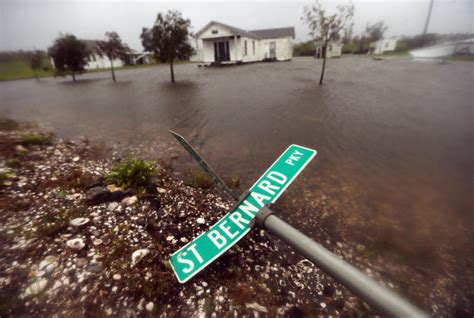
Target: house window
214 31
245 47
253 47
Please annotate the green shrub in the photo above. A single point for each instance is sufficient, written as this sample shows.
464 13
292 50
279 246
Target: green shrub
36 139
13 163
131 173
3 177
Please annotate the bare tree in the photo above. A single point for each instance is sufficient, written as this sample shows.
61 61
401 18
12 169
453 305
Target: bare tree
113 48
327 27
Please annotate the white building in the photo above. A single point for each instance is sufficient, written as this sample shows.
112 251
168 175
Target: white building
383 45
225 44
94 60
334 49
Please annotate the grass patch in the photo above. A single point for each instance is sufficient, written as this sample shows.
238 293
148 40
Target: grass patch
21 69
469 58
198 178
36 139
13 163
132 173
8 124
4 176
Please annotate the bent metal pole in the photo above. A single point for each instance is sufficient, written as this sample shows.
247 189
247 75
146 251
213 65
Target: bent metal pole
382 299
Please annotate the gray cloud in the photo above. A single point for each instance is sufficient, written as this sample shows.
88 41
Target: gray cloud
28 24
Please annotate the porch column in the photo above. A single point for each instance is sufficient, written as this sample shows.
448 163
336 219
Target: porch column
235 44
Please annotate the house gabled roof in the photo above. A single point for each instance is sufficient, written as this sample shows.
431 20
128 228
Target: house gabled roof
232 29
275 33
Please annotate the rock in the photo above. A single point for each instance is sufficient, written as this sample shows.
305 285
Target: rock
339 245
183 240
112 206
257 307
150 306
36 288
76 244
108 311
98 195
117 277
113 188
323 305
138 255
74 197
79 222
48 264
81 262
170 238
75 159
114 289
95 266
201 220
129 201
20 148
97 242
161 190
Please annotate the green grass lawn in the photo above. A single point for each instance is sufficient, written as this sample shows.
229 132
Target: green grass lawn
21 69
13 70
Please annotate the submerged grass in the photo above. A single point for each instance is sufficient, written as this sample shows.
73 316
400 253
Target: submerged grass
36 139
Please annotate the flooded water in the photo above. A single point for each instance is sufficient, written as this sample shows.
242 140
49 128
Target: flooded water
395 142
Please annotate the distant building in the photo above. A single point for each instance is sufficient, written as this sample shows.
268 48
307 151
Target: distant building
97 61
334 49
225 44
383 45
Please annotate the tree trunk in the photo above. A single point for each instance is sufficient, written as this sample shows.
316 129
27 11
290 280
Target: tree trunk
112 69
325 51
73 76
172 72
36 74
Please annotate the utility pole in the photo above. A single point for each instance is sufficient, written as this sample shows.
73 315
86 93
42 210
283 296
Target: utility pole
427 23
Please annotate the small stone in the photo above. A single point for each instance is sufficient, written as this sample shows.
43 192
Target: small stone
129 201
113 188
76 244
323 305
112 206
79 222
339 245
95 267
20 148
97 242
108 311
117 277
183 240
161 190
150 306
36 288
114 289
81 262
138 255
201 220
170 238
257 307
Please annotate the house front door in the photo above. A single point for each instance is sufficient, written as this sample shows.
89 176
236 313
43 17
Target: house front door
272 50
221 51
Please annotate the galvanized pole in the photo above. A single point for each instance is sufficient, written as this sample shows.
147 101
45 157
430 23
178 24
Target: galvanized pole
382 299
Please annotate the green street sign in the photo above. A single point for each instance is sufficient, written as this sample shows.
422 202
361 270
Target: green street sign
203 250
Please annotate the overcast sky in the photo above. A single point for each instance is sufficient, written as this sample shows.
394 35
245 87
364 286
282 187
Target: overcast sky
34 24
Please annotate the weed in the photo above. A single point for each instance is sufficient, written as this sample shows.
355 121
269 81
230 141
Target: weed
234 181
36 139
4 176
198 178
8 124
61 194
13 163
131 173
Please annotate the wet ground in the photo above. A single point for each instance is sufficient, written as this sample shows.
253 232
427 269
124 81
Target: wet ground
393 176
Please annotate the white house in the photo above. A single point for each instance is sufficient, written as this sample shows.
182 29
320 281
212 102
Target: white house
95 60
334 49
384 45
225 44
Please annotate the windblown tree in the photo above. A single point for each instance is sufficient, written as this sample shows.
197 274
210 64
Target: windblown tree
114 49
168 39
69 55
375 31
36 60
326 26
